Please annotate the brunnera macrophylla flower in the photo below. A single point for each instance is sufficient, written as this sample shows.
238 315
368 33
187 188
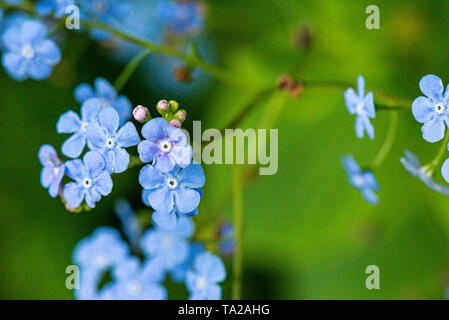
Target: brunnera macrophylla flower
170 247
57 7
412 164
363 106
432 110
53 169
202 281
108 96
92 180
70 122
165 146
177 189
365 181
28 51
105 137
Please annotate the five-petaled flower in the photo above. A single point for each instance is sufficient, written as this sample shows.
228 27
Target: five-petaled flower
53 169
92 180
104 138
174 190
363 180
70 122
29 53
166 146
362 106
202 281
432 110
108 96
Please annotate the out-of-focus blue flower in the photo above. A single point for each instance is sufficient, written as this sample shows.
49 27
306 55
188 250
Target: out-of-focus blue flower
129 224
166 146
412 164
171 247
227 241
202 281
432 110
92 180
53 169
179 272
105 138
184 17
29 53
58 7
70 122
365 181
136 282
362 106
175 190
113 13
104 91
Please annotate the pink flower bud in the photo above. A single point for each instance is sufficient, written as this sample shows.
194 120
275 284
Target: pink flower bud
175 123
181 115
162 106
140 113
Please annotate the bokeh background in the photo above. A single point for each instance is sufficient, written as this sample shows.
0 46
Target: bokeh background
308 234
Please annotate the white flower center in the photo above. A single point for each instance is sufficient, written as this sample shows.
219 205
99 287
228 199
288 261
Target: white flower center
87 183
358 180
27 52
201 283
84 126
167 241
100 261
134 287
439 108
110 143
359 108
172 183
165 145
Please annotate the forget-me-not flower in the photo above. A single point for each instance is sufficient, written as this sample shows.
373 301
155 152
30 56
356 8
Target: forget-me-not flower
202 281
58 7
175 190
53 169
181 17
166 146
29 53
108 96
412 164
92 180
171 247
365 181
179 272
70 122
432 110
363 106
105 137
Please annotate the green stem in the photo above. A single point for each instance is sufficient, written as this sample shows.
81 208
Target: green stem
237 267
130 68
388 143
439 157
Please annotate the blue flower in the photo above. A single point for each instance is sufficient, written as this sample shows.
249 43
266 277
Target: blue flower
227 242
166 146
53 169
58 7
432 110
202 281
363 107
92 180
179 272
171 247
365 181
104 91
177 189
412 164
70 122
134 281
181 17
104 138
28 52
129 223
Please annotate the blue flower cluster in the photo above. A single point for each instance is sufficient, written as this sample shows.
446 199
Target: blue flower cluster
102 127
166 253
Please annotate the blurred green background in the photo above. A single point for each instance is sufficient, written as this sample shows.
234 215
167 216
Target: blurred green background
308 234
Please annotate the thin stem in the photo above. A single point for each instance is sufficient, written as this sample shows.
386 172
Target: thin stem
388 143
439 157
130 68
237 268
